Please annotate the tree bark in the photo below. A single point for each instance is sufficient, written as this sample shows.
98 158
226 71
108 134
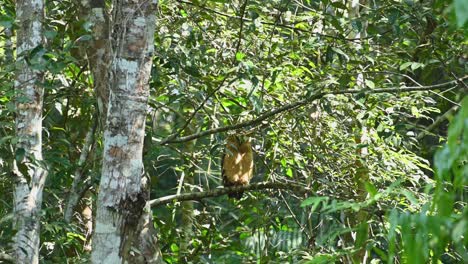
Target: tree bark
359 219
122 196
187 207
98 53
28 169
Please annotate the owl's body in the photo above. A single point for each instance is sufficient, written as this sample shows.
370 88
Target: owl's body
237 164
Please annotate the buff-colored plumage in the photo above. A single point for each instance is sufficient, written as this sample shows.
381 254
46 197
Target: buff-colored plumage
237 164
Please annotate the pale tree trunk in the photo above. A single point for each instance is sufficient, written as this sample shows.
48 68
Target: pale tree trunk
187 214
186 219
29 169
122 220
8 47
98 53
359 219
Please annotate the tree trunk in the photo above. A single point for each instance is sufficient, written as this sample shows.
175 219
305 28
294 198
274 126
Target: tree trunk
122 196
359 219
98 53
187 215
29 171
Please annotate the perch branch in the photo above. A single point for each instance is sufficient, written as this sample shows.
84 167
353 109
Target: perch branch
222 191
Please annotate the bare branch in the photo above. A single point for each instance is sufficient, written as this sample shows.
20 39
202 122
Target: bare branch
306 101
222 191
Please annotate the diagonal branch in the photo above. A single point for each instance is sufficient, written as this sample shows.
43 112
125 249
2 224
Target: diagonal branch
288 107
222 191
437 122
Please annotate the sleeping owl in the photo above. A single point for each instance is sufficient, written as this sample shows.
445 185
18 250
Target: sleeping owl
237 164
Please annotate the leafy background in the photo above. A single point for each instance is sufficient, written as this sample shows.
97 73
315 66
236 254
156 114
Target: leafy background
227 62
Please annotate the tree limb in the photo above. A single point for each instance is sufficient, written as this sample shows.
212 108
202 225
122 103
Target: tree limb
222 191
306 101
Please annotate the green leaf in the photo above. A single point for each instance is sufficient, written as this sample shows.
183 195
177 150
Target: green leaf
370 188
357 25
314 202
20 154
6 21
240 56
416 65
415 111
85 38
302 25
174 247
362 234
257 103
405 65
50 34
410 196
460 230
322 259
283 162
461 12
370 84
339 5
339 51
5 139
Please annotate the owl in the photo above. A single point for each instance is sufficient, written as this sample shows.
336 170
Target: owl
237 164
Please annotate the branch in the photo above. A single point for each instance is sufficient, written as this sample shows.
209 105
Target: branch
437 122
76 189
222 191
306 101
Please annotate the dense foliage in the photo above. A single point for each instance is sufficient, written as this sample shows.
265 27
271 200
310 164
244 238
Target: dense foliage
387 171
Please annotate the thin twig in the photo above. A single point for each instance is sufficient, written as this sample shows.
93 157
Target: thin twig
294 216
